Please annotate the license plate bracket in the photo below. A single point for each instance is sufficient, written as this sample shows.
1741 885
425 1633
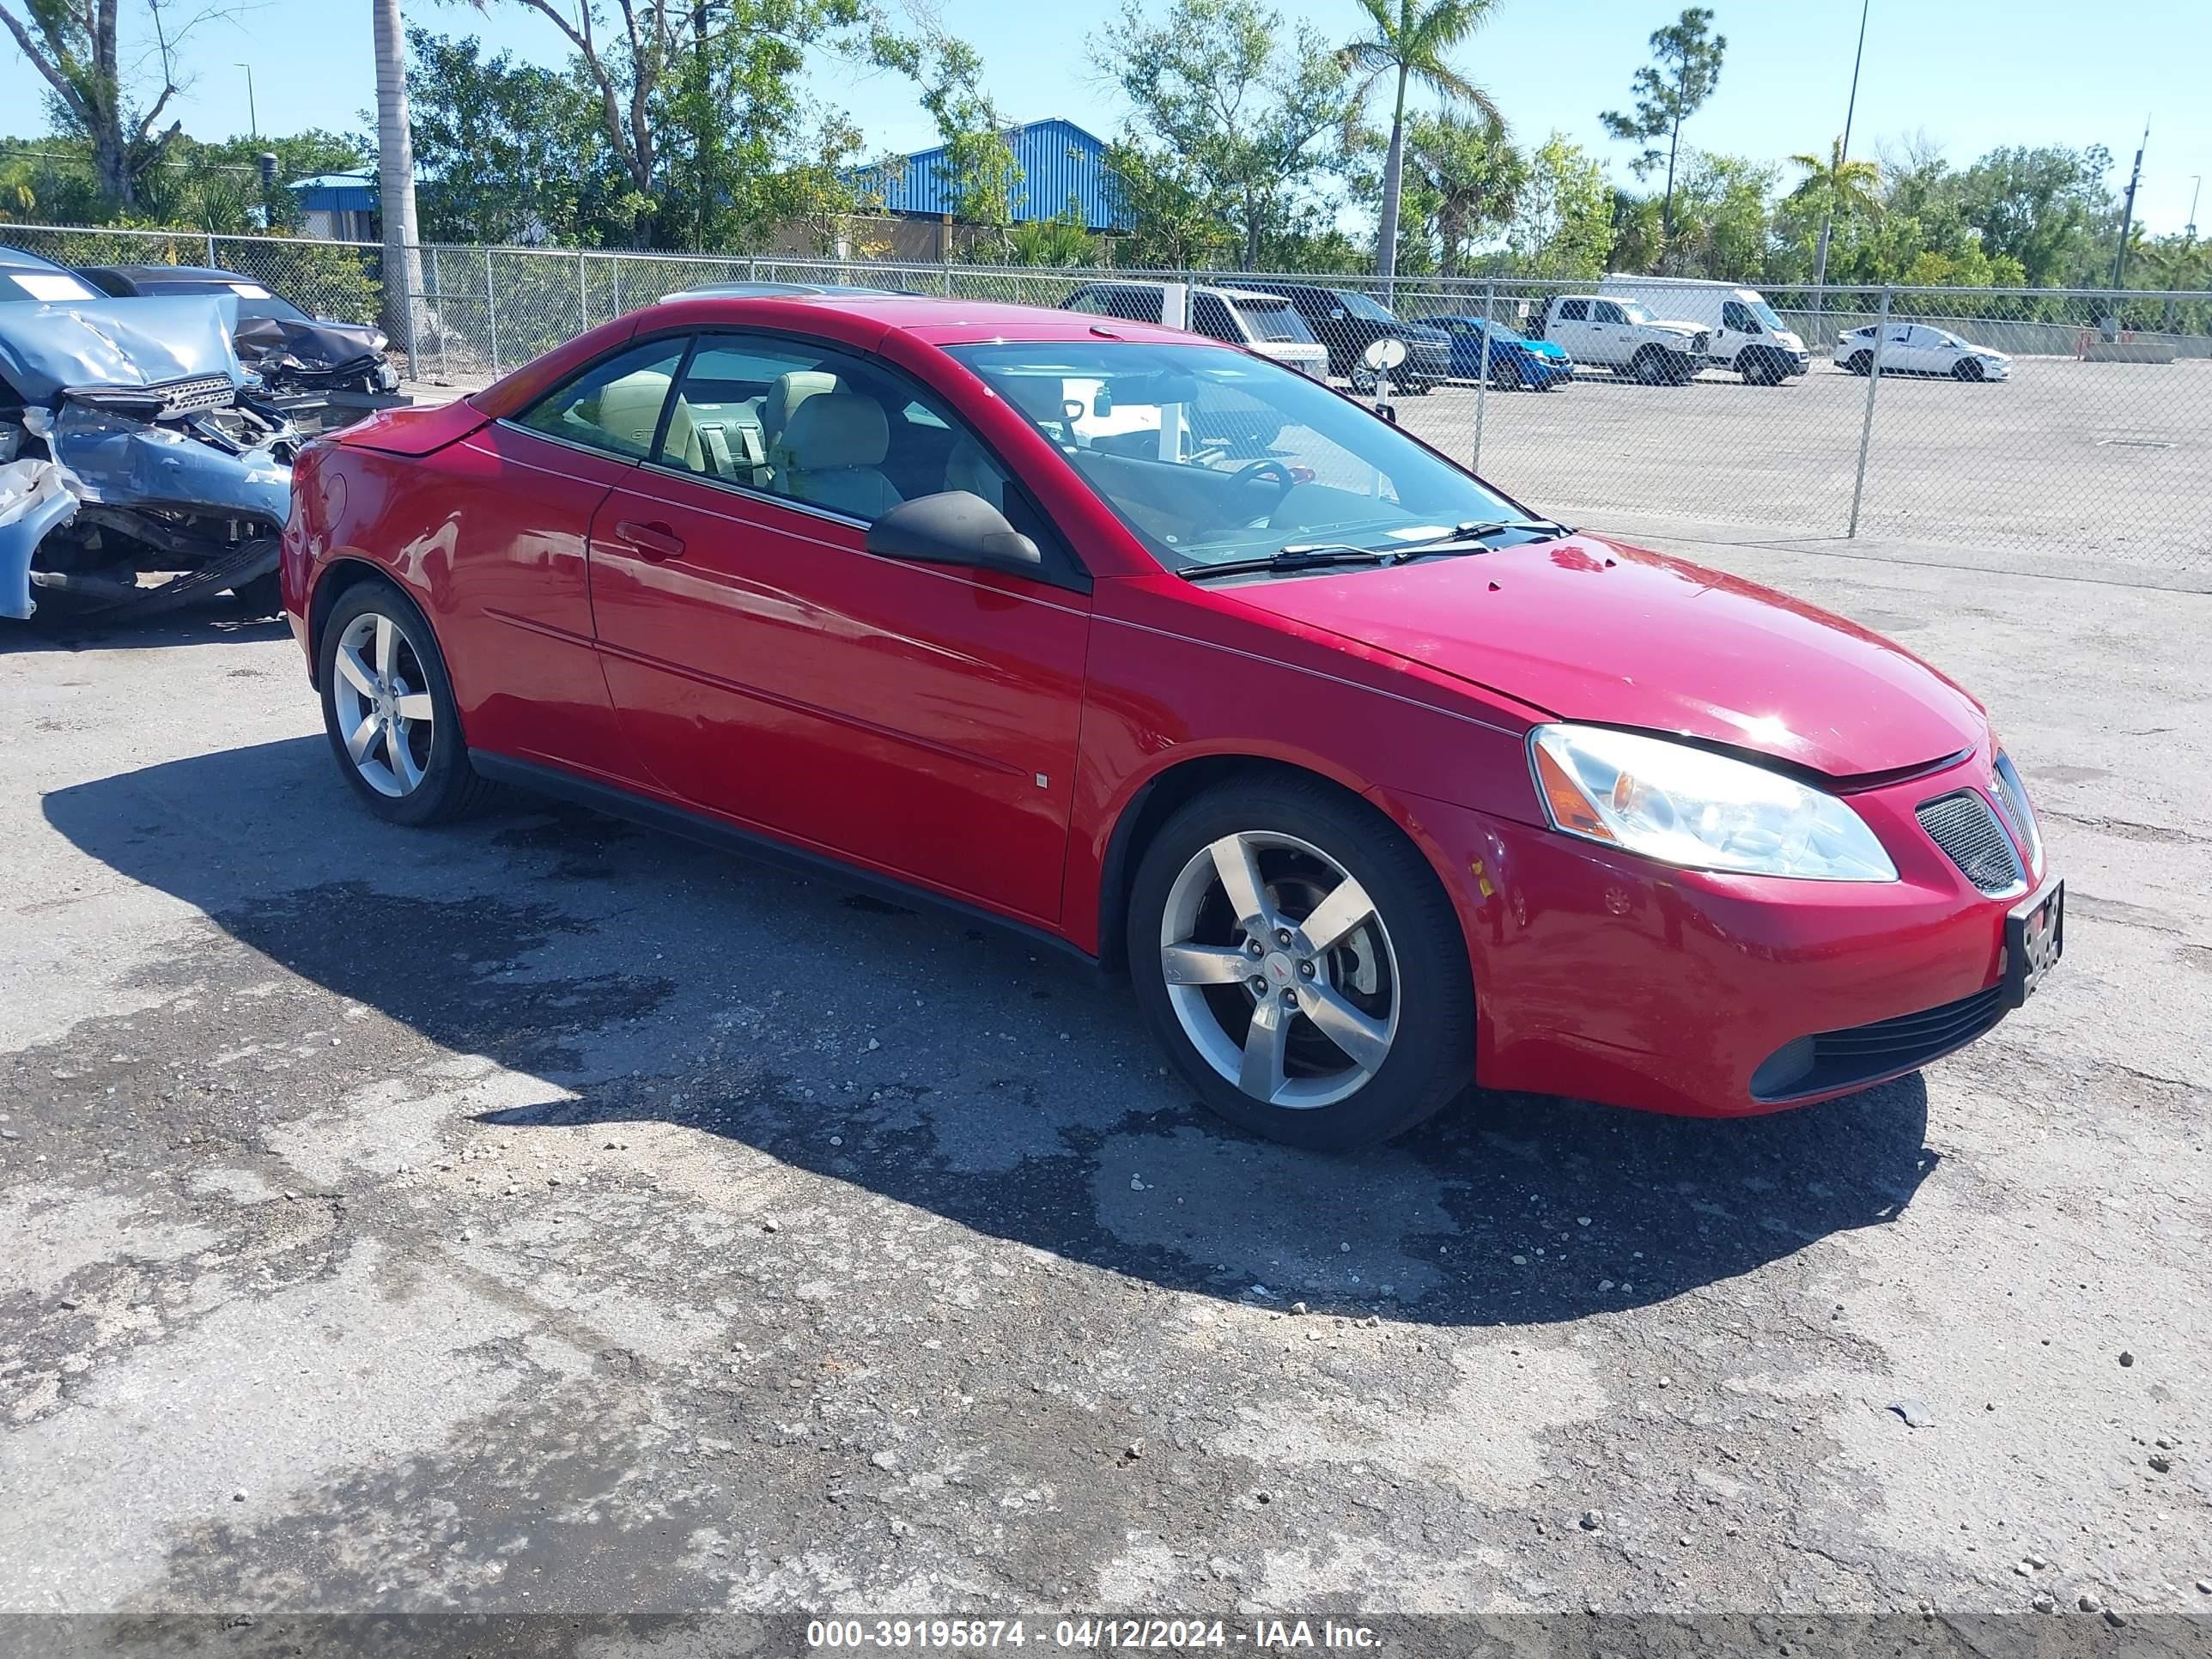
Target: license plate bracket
2035 938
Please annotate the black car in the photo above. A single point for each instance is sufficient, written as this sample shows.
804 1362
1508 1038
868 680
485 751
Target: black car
1348 322
291 351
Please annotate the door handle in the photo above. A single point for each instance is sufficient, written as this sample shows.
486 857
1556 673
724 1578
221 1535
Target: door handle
654 541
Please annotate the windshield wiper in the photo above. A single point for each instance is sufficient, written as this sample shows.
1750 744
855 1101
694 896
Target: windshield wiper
1481 529
1303 556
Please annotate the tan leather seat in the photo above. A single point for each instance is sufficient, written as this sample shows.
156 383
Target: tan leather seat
629 410
968 468
833 447
784 398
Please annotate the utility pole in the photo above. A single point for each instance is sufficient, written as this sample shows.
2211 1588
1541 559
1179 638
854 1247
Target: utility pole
2128 212
1828 213
253 120
2196 184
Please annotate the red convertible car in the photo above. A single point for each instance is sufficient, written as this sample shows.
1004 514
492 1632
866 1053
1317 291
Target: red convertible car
1374 782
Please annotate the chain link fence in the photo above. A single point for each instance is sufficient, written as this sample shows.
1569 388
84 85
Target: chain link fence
2072 423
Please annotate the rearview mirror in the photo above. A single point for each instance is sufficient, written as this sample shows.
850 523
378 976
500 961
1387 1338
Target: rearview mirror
955 526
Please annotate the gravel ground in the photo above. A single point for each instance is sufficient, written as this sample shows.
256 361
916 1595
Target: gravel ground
545 1216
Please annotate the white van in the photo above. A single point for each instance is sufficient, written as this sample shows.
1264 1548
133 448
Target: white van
1743 333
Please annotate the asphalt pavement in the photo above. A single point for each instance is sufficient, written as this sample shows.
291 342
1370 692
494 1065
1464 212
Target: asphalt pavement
542 1216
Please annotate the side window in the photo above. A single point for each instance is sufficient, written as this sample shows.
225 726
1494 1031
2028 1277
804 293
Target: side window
1574 311
613 406
1209 315
1737 315
1135 304
815 425
1608 312
1087 301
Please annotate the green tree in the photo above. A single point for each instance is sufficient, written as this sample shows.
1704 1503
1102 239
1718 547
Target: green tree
980 176
1669 91
1722 218
1471 176
2047 208
699 102
1174 224
1564 224
510 151
1406 43
1238 97
1839 189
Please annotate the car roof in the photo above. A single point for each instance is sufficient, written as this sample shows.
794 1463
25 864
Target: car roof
204 274
931 319
17 259
783 291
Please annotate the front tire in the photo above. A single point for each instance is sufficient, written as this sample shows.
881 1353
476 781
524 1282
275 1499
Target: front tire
1503 376
388 710
1966 368
1861 362
1298 960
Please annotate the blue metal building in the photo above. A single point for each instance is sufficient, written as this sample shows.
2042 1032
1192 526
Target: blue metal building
1058 160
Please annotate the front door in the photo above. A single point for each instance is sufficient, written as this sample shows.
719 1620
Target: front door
918 719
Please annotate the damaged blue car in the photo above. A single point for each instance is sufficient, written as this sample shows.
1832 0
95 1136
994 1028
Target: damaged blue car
140 470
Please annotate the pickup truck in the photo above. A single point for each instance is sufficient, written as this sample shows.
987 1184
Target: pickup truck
1622 336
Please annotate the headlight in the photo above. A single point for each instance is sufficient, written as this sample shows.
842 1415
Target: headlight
2014 801
1691 807
378 340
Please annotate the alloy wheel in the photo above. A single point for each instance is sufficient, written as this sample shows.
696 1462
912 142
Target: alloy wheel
1279 969
380 691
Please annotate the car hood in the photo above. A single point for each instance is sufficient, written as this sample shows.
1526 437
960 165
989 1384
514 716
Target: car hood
49 349
1588 629
317 341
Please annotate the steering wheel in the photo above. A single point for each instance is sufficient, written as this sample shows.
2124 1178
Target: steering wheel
1259 468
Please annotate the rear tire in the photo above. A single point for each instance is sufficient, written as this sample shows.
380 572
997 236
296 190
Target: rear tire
1331 1042
388 710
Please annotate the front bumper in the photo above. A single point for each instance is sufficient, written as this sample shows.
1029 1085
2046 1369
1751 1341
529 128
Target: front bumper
1607 977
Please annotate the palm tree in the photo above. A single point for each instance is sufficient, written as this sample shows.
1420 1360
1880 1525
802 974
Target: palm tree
1838 187
1472 171
1408 44
395 171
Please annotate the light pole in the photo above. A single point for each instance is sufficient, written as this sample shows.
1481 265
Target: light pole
2128 211
2196 184
1828 211
253 120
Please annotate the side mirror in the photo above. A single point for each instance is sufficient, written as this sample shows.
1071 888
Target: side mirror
955 526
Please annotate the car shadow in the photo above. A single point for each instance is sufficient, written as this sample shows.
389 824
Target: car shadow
1009 1091
222 619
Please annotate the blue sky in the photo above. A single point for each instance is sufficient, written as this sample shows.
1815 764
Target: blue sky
1969 74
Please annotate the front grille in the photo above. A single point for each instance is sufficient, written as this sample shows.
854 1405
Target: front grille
1841 1060
1962 824
200 391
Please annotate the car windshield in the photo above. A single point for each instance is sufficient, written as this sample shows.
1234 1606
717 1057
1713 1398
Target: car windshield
20 282
1209 456
1360 306
1765 314
1498 333
1634 310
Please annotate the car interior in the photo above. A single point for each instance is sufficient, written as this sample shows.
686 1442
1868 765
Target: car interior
815 427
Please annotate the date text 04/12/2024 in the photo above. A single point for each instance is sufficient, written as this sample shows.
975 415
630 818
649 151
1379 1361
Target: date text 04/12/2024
1166 1635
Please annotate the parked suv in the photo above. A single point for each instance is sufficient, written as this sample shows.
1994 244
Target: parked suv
1266 323
1622 336
1348 322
